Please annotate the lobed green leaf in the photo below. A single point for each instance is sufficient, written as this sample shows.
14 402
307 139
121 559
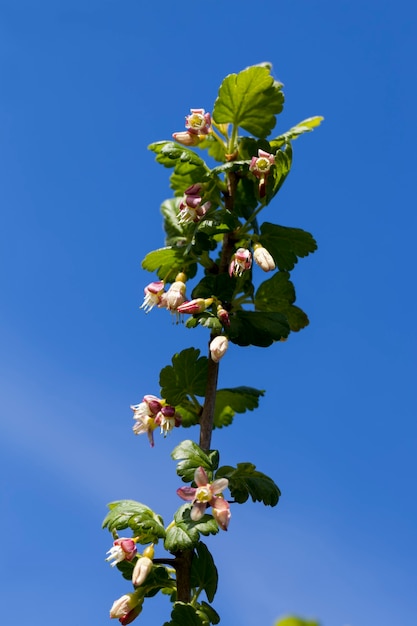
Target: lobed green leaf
250 99
167 262
184 615
236 400
257 328
278 294
245 480
169 153
306 126
187 376
190 457
286 244
204 572
184 533
143 522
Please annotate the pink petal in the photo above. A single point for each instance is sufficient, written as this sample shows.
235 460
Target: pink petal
200 477
186 493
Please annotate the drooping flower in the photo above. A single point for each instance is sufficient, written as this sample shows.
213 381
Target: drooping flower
126 608
143 566
175 296
144 414
263 258
191 208
207 494
123 549
218 347
198 122
240 262
167 419
153 295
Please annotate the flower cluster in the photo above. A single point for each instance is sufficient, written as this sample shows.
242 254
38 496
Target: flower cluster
155 295
129 606
151 413
191 208
207 494
198 125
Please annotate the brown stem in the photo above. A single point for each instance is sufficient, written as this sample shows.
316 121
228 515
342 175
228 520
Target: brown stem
207 416
182 564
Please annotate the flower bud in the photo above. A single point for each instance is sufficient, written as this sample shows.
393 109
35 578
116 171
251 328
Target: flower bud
221 513
218 347
123 606
195 306
175 296
186 138
141 570
223 315
263 258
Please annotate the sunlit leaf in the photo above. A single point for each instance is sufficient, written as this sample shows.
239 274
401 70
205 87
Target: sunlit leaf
250 99
305 126
190 457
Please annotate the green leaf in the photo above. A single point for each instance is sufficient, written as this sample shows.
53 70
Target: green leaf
184 615
286 244
283 162
143 522
305 126
208 614
186 376
245 481
215 149
186 174
257 328
231 401
250 99
175 232
295 621
189 414
278 294
184 533
169 153
221 286
204 572
167 262
190 457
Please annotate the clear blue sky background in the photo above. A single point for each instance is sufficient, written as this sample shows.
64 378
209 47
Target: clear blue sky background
85 86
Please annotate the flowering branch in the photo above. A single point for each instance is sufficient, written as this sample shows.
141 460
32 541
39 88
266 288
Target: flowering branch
211 227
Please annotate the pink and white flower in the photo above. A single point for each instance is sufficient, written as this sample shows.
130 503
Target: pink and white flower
123 549
198 122
153 295
144 414
240 262
175 296
191 208
167 419
261 164
207 494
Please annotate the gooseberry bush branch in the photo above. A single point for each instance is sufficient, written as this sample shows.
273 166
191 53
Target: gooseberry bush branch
208 272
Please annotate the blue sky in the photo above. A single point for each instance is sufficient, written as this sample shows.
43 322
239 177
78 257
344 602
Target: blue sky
85 87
